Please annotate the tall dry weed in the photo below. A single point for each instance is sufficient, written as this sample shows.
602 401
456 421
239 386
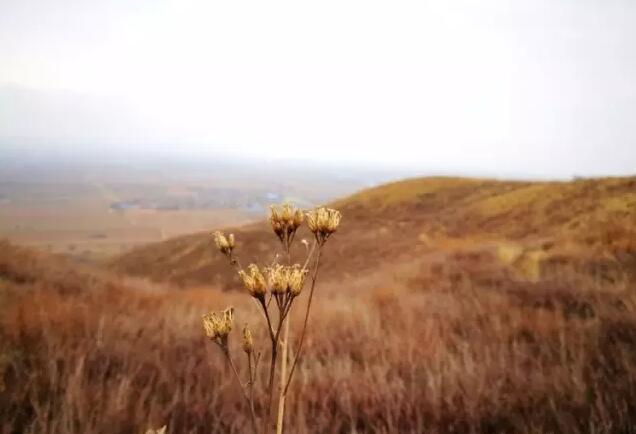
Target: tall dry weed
275 289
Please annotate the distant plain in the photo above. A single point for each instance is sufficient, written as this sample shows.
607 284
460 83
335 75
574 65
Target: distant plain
94 212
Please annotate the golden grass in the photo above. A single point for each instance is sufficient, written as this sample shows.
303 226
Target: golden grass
438 317
404 191
405 220
537 195
452 344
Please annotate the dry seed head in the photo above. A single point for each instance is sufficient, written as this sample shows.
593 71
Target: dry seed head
161 430
210 325
223 243
285 279
277 279
276 221
323 222
285 219
287 214
228 318
218 325
296 279
254 281
298 218
248 343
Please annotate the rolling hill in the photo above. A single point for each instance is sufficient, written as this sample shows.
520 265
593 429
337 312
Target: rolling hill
527 227
454 305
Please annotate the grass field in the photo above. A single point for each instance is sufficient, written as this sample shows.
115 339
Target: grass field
476 351
443 309
588 223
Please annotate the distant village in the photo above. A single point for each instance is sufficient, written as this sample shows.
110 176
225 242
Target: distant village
209 198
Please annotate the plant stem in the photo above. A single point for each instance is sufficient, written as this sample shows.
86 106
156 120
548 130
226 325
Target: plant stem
285 345
226 351
272 367
302 333
251 384
283 375
270 329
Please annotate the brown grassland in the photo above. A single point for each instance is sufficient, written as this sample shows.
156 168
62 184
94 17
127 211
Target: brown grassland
447 305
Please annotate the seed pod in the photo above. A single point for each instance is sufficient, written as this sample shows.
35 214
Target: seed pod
223 243
217 326
277 279
296 280
254 281
298 219
323 222
248 343
285 279
285 220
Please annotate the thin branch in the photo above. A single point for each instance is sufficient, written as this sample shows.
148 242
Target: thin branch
269 321
270 385
283 373
285 344
310 254
302 333
236 374
251 386
226 351
272 372
272 366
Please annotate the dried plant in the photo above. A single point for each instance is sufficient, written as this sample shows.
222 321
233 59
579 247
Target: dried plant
283 283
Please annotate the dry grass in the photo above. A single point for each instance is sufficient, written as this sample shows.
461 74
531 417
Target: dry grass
409 219
451 343
453 306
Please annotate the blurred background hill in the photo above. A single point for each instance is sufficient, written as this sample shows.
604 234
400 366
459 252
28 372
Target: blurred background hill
525 226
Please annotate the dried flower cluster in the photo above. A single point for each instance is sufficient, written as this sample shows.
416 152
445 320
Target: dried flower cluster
285 220
323 222
217 326
254 281
223 243
283 283
286 279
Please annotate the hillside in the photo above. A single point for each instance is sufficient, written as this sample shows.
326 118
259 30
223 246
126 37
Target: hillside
528 227
25 270
86 344
470 306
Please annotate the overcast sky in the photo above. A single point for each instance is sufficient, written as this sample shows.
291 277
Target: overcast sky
544 87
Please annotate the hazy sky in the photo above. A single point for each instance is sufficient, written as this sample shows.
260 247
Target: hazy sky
545 87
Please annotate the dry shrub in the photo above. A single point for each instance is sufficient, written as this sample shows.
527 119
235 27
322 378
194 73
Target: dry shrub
524 357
